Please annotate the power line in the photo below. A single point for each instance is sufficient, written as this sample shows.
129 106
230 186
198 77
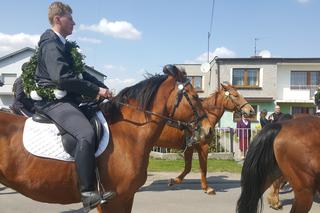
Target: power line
211 26
212 12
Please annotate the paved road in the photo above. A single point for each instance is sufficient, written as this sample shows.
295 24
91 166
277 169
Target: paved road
156 197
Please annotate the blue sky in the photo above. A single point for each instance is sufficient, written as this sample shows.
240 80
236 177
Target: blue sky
126 38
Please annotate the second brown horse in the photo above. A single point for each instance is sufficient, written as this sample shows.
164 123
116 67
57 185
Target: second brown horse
227 98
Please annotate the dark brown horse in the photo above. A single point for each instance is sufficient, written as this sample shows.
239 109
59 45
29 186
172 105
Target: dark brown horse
227 98
290 148
273 194
137 117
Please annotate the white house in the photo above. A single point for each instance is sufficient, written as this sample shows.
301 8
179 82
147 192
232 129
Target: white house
264 82
10 69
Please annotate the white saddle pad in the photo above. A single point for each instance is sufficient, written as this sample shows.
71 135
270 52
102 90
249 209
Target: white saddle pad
43 140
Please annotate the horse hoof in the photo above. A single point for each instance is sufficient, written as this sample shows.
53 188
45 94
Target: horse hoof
171 182
210 191
174 181
278 207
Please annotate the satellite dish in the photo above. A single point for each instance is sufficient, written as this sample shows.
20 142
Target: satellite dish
205 67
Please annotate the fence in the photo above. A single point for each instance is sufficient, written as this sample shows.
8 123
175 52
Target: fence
227 143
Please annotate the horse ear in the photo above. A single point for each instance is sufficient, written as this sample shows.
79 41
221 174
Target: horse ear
174 71
182 74
225 85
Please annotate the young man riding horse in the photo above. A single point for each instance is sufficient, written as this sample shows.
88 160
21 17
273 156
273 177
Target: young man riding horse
56 70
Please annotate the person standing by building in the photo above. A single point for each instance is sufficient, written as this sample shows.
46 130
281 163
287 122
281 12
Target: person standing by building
244 134
263 120
274 117
22 105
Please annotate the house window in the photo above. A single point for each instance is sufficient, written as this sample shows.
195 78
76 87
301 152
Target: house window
245 77
196 82
304 79
303 110
8 78
237 115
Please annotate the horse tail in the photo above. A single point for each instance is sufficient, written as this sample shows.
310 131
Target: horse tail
259 167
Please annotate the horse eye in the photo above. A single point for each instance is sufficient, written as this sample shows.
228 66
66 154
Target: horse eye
196 97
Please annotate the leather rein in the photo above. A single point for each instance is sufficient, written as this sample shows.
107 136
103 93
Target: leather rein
173 122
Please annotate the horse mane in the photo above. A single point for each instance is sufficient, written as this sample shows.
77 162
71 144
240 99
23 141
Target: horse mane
143 93
214 97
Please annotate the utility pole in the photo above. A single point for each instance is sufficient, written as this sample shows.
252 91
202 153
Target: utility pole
208 46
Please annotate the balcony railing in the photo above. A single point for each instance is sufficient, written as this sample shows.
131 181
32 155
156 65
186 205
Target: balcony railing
300 92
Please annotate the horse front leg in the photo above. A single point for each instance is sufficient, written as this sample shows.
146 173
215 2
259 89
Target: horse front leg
118 206
203 150
129 204
187 167
302 201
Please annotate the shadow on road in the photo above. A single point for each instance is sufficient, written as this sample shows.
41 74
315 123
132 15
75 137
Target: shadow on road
6 192
73 211
220 183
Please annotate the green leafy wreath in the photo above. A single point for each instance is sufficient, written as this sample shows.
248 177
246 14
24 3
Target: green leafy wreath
29 70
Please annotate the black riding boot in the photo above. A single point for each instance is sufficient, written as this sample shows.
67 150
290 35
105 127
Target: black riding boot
85 166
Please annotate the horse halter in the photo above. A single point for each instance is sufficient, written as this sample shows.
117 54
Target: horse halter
229 95
183 93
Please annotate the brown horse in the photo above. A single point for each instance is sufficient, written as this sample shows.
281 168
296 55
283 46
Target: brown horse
290 148
273 194
227 98
137 117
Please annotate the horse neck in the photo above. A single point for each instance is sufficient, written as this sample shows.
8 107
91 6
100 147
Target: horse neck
214 107
143 129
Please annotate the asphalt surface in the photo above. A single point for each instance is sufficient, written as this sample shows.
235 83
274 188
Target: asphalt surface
156 197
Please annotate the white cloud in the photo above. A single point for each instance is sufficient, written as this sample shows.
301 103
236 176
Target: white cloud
118 77
110 68
13 42
90 40
117 29
221 52
265 54
117 84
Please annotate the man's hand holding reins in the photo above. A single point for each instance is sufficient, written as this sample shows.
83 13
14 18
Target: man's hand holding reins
104 92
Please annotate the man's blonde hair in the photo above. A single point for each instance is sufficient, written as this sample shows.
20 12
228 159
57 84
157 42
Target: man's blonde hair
58 9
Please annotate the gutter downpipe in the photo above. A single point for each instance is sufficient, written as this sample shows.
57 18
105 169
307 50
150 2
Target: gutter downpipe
218 81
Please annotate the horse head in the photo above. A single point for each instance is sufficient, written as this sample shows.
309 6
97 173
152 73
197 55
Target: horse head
184 101
235 101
